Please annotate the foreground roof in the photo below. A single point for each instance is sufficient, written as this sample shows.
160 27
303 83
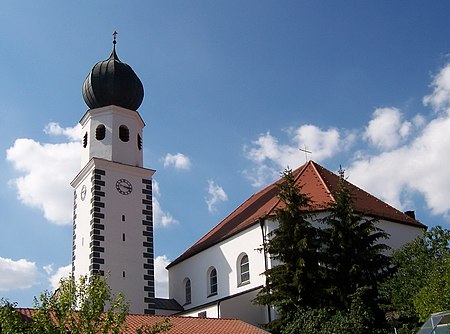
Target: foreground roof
181 325
317 182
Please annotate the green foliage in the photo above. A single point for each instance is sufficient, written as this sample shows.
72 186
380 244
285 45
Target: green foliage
356 320
295 245
11 322
420 283
354 254
75 306
434 296
327 278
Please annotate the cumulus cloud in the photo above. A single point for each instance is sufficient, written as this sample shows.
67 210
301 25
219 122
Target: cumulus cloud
386 130
177 160
61 272
46 172
410 160
161 276
439 99
270 157
418 166
20 274
161 217
54 129
216 194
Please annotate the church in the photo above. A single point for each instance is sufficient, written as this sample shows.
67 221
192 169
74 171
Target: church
218 276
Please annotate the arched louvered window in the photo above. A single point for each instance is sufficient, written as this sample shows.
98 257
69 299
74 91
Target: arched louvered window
139 142
100 132
85 140
124 133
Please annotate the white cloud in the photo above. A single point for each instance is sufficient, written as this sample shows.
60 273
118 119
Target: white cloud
20 274
61 272
177 160
417 167
270 157
47 169
161 276
412 158
74 134
161 217
386 130
439 99
216 194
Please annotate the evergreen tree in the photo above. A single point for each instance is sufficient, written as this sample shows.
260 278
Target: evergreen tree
354 253
295 282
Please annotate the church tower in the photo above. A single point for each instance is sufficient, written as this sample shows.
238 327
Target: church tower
112 216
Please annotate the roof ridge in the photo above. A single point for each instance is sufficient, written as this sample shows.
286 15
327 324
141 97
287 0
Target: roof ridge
315 165
300 171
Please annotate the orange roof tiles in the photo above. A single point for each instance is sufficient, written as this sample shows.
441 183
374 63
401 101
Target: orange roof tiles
316 181
181 325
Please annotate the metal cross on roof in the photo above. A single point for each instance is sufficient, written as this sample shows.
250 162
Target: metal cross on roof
115 36
306 152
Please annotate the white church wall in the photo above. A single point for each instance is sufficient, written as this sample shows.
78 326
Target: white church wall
224 258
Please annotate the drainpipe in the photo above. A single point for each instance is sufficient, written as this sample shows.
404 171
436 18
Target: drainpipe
266 265
218 309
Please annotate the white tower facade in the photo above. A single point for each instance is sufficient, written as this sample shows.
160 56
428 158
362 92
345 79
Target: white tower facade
113 216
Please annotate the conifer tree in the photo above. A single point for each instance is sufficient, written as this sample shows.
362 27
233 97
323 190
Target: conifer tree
354 251
295 282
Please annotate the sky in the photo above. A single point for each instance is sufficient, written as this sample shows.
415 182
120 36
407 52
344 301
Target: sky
233 91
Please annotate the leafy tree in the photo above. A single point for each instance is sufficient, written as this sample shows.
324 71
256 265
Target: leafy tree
84 307
354 253
413 292
11 322
294 244
434 296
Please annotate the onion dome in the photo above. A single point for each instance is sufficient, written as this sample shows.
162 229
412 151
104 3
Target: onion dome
112 82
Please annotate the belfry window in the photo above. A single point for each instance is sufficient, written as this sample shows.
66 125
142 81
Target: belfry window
124 133
85 140
100 132
139 142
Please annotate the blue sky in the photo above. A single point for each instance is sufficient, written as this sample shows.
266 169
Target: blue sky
233 89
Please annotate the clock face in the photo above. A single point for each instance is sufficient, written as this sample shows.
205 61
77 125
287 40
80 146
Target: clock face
83 192
124 186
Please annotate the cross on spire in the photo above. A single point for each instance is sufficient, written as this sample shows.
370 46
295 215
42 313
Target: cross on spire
114 36
306 152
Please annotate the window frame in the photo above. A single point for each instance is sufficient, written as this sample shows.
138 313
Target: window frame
243 269
187 292
212 282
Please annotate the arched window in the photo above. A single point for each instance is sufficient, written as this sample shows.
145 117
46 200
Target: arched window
139 142
187 290
243 269
124 133
85 140
212 279
100 132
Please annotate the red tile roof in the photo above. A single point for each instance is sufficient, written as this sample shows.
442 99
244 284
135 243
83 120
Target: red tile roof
181 325
316 181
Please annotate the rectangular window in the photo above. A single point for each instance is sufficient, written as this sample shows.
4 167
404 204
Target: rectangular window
123 236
